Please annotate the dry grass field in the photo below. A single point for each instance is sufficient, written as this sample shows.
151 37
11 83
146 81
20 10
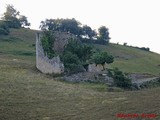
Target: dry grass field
27 94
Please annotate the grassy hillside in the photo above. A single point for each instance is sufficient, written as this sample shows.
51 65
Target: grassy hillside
27 94
133 60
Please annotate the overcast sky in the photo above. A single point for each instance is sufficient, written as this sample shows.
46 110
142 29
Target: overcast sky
136 22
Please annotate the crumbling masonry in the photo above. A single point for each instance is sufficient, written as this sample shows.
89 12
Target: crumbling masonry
43 63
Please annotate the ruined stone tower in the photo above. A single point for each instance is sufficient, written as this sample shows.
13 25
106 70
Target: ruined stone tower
43 63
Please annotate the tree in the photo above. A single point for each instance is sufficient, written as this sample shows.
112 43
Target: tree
102 58
76 56
63 25
11 12
84 33
13 18
103 34
23 21
83 51
10 16
88 32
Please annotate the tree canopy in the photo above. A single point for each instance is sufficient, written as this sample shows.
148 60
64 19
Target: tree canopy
63 25
76 56
103 34
102 58
84 32
88 32
13 18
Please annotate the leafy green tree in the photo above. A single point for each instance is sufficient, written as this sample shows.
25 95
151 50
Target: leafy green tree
83 51
102 58
88 32
71 25
23 21
50 24
10 12
13 18
103 34
10 16
63 25
76 56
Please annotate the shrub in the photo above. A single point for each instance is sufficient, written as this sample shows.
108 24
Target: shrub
47 43
75 56
82 51
120 79
72 63
4 30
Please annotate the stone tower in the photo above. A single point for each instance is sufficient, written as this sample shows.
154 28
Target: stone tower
43 63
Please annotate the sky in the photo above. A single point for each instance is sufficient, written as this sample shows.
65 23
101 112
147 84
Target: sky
135 22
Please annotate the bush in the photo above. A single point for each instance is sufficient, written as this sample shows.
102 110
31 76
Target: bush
70 58
82 51
75 56
4 30
47 43
72 63
120 79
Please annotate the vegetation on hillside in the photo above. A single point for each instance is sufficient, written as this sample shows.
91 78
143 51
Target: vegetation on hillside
132 60
120 78
83 32
12 19
102 58
76 56
47 43
4 29
28 94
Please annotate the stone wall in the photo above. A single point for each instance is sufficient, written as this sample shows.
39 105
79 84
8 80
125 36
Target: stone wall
43 63
61 39
94 68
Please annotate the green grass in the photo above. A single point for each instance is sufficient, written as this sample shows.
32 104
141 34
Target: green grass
132 60
27 94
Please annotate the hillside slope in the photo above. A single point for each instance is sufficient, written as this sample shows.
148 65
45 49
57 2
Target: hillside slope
133 60
21 42
27 94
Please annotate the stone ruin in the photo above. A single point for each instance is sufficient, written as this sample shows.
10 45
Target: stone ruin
43 63
55 65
